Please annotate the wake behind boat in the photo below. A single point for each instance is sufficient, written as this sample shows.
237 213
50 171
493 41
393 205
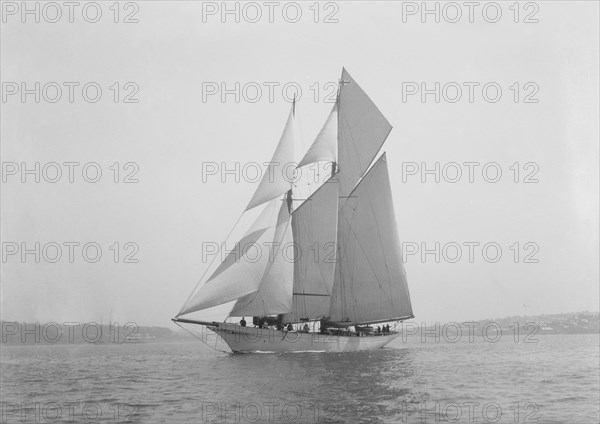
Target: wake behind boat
346 271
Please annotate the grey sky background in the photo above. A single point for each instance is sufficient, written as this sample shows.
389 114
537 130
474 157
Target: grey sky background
170 132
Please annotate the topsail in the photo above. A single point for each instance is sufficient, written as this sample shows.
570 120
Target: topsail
275 180
362 129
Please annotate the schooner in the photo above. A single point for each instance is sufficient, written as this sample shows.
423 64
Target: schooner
361 282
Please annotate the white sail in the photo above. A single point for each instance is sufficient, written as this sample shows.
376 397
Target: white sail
274 295
278 177
324 148
241 271
314 226
370 281
362 129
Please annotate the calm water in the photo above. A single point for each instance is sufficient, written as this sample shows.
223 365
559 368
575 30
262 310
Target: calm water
552 381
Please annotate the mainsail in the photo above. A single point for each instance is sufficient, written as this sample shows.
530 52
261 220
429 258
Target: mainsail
347 261
370 281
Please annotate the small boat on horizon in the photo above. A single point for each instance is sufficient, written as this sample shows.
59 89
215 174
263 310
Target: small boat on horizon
355 279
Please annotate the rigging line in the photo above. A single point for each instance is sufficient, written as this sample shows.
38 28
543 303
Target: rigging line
209 266
195 336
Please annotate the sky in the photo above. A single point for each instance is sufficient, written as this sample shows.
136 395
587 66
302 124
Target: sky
166 125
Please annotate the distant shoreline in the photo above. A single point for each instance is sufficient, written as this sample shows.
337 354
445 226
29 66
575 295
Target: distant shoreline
19 333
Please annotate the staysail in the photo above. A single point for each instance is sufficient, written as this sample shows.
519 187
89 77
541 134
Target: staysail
274 295
314 225
370 281
242 270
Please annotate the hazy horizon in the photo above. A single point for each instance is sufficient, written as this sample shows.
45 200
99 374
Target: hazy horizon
105 322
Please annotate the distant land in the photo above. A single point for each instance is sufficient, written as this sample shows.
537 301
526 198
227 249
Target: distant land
19 333
12 333
571 323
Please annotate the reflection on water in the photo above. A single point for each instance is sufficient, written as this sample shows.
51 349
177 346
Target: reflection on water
555 380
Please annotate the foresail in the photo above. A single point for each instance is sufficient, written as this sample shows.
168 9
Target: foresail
241 271
274 295
324 148
370 281
362 129
276 180
314 226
